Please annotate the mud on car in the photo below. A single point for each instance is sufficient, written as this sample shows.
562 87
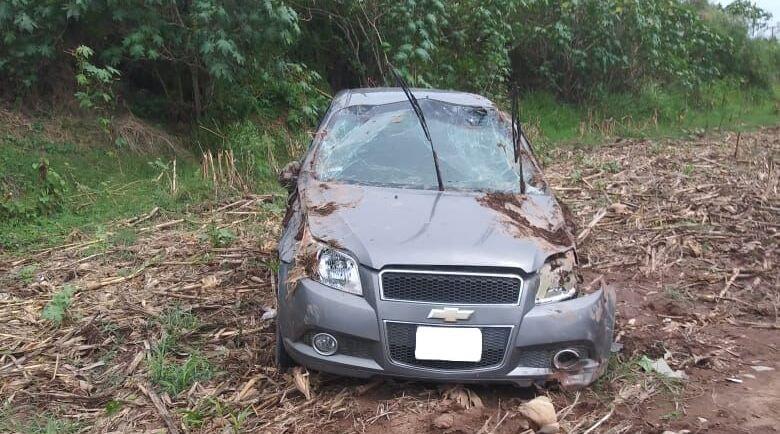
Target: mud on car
421 241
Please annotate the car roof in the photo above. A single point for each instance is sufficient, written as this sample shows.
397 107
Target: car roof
387 95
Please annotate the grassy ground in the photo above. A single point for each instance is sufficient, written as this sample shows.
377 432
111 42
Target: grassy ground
102 182
98 184
90 181
652 113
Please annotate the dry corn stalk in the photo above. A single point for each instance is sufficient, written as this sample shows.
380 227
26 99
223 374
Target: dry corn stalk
223 172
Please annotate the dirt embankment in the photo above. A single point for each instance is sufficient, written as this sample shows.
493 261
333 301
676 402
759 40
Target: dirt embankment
687 232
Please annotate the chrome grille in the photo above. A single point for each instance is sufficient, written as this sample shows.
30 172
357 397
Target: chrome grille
401 339
452 288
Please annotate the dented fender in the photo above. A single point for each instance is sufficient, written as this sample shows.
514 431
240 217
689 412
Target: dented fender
590 317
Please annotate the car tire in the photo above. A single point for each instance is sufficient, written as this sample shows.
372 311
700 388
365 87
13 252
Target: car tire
283 359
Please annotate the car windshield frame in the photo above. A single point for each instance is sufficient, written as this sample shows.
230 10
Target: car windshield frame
453 127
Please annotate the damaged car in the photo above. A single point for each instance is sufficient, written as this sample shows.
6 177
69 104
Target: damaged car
421 241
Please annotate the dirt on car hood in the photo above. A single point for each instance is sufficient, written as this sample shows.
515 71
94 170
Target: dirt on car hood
393 226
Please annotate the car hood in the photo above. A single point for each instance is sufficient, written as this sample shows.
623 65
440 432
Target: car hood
392 226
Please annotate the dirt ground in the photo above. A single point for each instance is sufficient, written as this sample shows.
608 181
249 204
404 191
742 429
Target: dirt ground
685 230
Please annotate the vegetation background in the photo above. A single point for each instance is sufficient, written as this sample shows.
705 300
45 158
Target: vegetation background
111 108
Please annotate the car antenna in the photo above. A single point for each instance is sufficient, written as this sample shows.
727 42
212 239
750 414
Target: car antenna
517 133
418 111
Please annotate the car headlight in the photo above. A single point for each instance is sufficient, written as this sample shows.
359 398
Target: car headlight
338 270
557 279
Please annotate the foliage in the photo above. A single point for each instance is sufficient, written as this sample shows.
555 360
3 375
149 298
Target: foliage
752 61
578 47
751 16
221 237
215 408
46 423
431 42
123 237
272 58
294 85
169 375
652 111
27 273
49 191
100 183
95 84
192 52
112 407
176 320
56 308
175 378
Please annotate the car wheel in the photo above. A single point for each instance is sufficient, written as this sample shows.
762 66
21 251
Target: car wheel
283 359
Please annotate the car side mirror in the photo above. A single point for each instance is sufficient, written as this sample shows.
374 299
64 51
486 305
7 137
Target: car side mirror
288 176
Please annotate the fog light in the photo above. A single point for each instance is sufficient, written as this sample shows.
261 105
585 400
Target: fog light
325 344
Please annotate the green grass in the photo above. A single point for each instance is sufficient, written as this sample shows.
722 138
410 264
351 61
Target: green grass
176 321
221 237
166 371
175 377
214 408
27 273
123 237
100 184
675 294
46 423
654 112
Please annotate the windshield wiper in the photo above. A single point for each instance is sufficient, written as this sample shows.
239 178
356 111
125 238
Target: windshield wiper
517 132
418 111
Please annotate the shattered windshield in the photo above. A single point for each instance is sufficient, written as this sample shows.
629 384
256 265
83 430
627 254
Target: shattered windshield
385 145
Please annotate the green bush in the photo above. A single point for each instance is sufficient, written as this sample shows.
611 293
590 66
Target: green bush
194 53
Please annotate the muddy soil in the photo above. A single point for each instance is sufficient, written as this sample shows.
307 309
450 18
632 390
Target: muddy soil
685 230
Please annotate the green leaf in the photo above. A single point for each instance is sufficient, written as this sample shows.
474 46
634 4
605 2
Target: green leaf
422 53
645 363
84 51
55 309
24 22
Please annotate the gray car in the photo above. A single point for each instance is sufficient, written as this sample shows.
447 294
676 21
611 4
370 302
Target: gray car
421 241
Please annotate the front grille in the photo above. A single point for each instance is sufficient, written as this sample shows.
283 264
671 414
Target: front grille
431 287
401 339
542 356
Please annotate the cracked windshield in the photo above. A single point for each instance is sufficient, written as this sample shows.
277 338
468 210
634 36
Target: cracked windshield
385 145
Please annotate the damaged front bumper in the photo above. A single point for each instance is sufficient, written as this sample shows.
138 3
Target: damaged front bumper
525 336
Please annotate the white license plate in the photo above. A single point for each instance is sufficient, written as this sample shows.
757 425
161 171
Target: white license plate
455 344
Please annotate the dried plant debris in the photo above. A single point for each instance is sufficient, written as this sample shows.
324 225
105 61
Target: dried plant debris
168 331
305 259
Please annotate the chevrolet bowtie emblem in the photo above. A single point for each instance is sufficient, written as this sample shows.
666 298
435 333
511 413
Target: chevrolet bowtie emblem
450 314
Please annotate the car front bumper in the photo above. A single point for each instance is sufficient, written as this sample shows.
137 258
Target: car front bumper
361 326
